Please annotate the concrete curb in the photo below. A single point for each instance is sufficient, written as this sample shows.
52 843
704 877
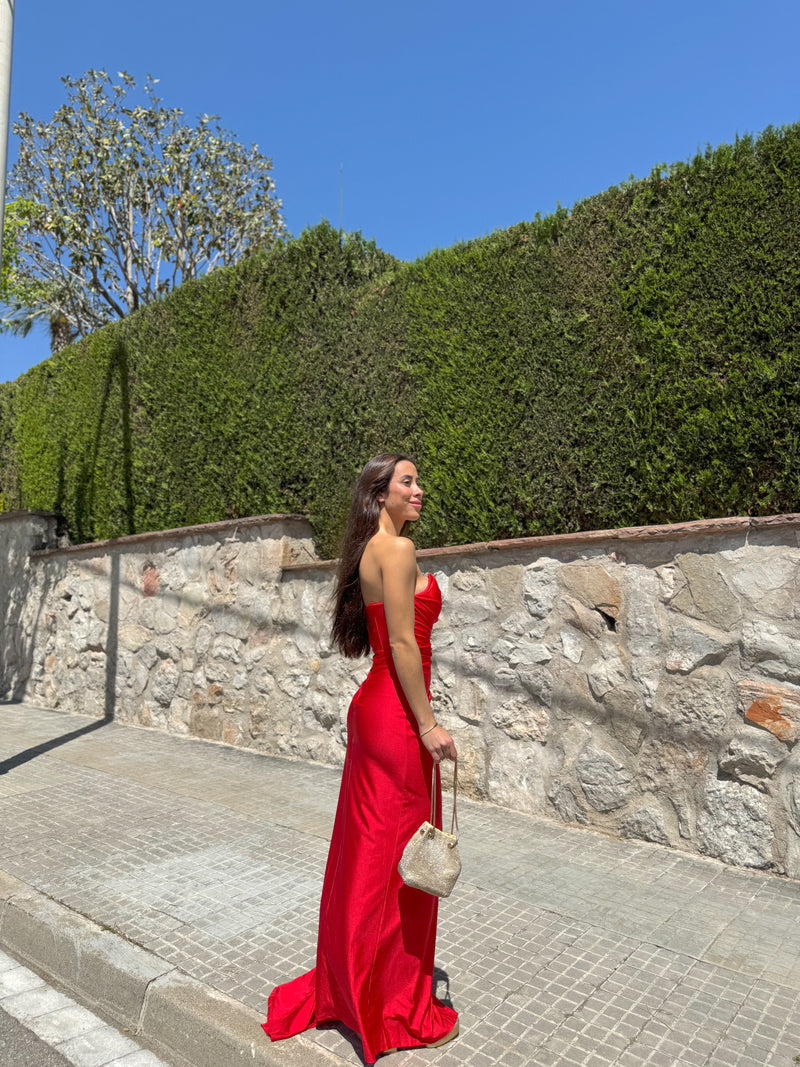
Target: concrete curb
185 1021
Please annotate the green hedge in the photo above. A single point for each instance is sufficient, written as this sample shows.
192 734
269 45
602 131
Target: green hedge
634 360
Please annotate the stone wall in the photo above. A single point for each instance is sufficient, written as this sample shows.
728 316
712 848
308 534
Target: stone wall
23 595
644 682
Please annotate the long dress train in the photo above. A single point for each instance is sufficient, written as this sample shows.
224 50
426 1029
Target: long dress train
377 936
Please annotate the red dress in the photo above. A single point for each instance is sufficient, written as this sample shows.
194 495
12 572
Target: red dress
376 939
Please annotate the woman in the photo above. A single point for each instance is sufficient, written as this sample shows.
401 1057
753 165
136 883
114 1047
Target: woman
374 969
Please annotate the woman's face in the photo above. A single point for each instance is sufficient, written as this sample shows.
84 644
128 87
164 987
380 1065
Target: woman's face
403 500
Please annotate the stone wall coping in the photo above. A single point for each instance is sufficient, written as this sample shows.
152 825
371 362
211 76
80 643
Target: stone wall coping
625 534
129 540
26 513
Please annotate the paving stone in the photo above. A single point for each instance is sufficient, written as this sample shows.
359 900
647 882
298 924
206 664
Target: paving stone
142 1058
7 963
97 1047
64 1024
35 1002
18 980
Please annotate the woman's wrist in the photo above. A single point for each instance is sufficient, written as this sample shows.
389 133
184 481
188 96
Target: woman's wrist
423 732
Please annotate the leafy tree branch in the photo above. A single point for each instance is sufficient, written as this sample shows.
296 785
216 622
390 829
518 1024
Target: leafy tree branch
114 204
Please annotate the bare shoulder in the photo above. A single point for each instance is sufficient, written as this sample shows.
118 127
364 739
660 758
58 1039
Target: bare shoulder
394 552
402 547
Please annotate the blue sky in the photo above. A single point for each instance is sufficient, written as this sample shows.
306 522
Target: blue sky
447 119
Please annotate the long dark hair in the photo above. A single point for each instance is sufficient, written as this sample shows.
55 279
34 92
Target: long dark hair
349 627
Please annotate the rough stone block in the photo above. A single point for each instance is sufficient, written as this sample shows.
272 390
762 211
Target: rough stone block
581 618
536 681
191 603
224 620
792 854
768 582
227 648
605 779
522 720
505 678
773 707
522 623
606 675
675 771
594 586
165 682
703 592
690 646
324 711
504 584
791 776
522 653
752 758
165 623
697 707
539 588
294 682
774 651
206 721
571 646
646 824
734 825
569 808
470 579
639 623
150 582
516 775
469 610
133 637
147 655
476 700
628 718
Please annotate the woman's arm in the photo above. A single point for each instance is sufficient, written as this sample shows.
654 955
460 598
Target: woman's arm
398 564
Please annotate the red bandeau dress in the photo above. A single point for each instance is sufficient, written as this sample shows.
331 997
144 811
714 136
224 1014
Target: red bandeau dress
377 936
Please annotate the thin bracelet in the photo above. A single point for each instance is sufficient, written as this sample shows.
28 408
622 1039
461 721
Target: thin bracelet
429 729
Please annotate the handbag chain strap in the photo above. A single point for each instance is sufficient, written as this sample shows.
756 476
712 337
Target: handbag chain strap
454 820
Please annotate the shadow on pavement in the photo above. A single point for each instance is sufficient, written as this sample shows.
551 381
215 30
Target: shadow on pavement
48 746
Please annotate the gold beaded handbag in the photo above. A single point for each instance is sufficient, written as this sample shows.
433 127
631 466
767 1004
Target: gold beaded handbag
430 860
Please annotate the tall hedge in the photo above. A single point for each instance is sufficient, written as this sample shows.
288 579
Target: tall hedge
634 360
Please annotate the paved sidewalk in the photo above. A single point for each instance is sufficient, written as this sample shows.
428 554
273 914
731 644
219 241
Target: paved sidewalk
559 947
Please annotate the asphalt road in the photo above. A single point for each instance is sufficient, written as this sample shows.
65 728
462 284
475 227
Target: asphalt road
20 1047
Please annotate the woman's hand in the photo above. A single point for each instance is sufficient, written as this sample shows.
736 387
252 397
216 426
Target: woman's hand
440 744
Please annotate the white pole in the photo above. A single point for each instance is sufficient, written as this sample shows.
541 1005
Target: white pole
6 40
